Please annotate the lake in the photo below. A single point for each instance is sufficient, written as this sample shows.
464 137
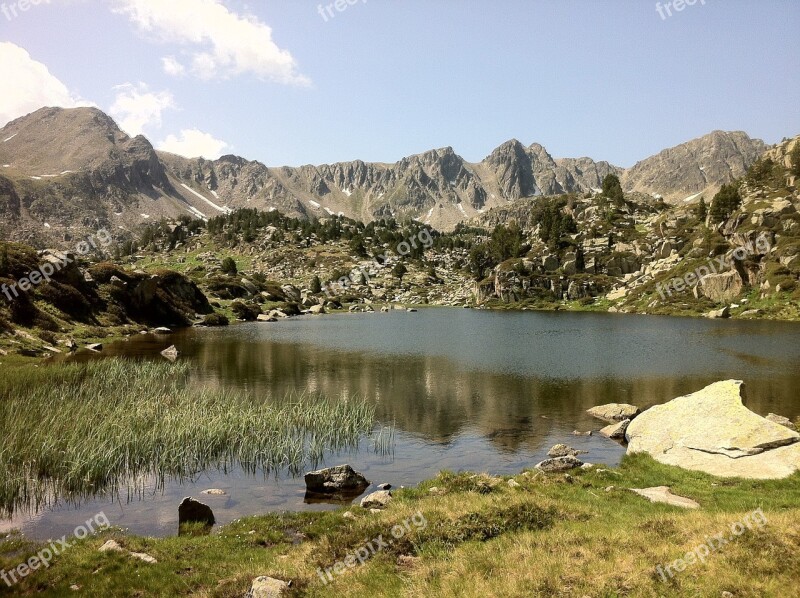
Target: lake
464 390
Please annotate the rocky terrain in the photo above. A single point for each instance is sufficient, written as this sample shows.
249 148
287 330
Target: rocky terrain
72 171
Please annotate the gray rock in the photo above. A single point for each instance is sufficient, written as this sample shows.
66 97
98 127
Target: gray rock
664 495
268 587
384 486
616 431
334 480
96 347
162 330
712 431
559 464
716 314
614 412
266 318
114 546
562 450
722 288
376 500
192 511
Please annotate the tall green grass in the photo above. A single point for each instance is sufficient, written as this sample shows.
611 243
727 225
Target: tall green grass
72 431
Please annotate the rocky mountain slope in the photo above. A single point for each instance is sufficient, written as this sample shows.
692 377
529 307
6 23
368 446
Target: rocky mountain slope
696 167
72 171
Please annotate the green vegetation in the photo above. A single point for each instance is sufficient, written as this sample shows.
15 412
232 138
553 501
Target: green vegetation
725 203
228 266
76 430
612 190
794 156
584 534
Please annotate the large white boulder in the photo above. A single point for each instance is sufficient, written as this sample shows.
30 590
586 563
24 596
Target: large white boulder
712 431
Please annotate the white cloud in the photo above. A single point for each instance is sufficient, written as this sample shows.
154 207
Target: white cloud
29 85
136 108
172 67
193 143
223 43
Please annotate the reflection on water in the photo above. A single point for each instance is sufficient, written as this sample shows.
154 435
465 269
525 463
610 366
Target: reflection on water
465 389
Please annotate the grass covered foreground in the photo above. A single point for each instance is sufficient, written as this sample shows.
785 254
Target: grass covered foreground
76 430
544 535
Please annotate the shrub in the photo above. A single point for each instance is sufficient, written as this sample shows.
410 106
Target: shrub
228 266
215 319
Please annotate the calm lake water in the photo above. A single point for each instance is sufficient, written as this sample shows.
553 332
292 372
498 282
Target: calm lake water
465 390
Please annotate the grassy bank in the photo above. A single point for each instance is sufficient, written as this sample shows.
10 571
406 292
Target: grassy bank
583 535
76 430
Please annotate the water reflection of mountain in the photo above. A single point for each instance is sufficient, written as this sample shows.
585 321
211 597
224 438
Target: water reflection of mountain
434 398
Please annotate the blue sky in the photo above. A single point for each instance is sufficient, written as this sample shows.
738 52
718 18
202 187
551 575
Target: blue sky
382 79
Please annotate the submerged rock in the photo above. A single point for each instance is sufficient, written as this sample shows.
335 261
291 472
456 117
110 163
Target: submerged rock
616 431
562 450
614 412
341 479
712 431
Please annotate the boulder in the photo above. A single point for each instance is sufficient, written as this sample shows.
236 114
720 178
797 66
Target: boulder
559 464
664 495
562 450
291 292
616 431
162 330
192 511
96 347
614 412
317 310
335 480
268 587
722 288
266 318
712 431
716 314
376 500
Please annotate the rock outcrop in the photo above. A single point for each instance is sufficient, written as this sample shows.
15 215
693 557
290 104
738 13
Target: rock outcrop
712 431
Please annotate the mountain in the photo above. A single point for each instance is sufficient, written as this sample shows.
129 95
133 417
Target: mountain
695 167
64 172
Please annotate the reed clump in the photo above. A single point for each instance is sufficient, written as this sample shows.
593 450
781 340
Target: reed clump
73 431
